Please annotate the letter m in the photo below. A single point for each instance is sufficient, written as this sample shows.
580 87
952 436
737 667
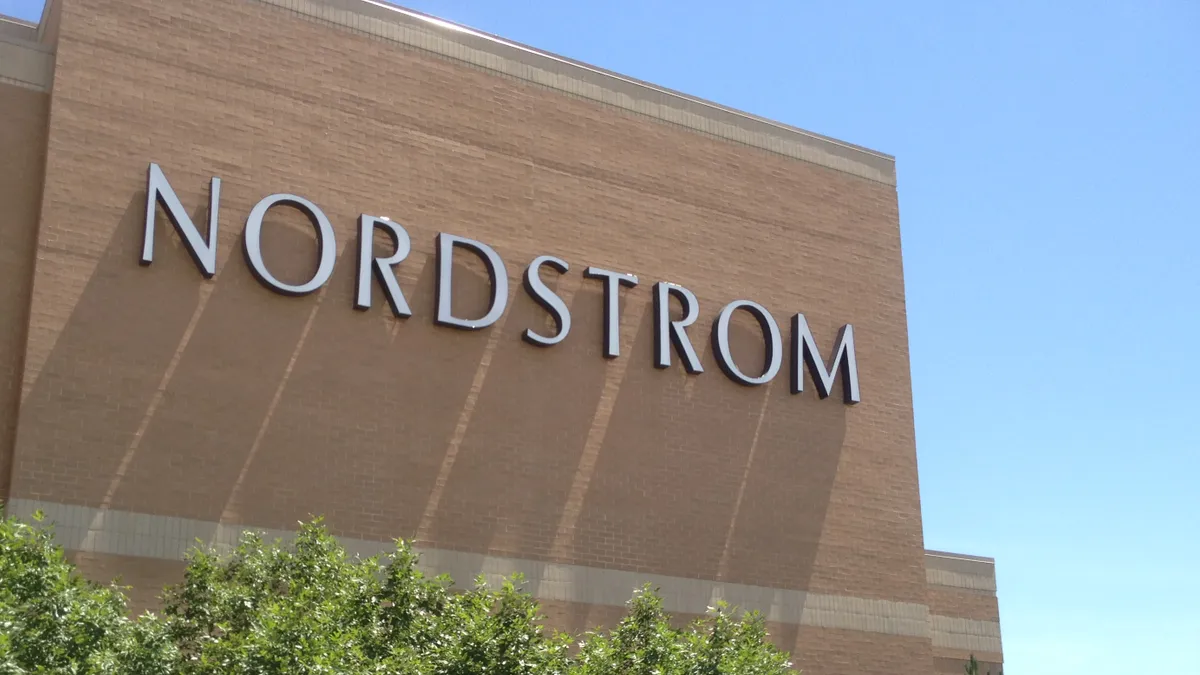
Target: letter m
804 350
158 191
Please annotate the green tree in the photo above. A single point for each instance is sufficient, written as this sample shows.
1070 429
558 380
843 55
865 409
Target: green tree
310 608
307 607
54 620
645 643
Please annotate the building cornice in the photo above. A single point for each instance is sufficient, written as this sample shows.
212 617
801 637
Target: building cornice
481 50
504 57
25 63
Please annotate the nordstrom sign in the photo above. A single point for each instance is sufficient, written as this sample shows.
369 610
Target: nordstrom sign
670 335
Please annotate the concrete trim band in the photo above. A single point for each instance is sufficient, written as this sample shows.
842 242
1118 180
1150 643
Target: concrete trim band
974 582
114 532
976 636
524 63
11 27
25 65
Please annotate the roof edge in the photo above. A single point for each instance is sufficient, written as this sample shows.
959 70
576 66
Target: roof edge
505 57
625 78
13 27
25 62
960 556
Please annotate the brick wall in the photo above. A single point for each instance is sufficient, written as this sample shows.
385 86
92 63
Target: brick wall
22 144
150 390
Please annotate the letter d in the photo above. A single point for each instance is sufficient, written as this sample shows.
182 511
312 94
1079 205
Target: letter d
498 277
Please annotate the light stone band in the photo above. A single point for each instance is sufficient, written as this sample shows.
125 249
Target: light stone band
114 532
27 59
966 634
25 64
959 571
506 58
974 582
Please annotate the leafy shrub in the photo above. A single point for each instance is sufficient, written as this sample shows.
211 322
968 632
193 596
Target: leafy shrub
54 620
309 608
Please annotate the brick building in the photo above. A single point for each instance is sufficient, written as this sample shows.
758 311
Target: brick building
159 384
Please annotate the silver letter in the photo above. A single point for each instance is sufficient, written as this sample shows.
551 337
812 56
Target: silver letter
667 331
612 307
804 349
548 300
401 246
770 333
158 191
325 240
496 271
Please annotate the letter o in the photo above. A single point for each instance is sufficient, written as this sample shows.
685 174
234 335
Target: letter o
770 329
325 241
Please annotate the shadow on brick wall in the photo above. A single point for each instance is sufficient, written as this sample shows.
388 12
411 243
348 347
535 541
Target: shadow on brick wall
270 409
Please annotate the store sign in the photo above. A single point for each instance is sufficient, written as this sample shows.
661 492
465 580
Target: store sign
670 335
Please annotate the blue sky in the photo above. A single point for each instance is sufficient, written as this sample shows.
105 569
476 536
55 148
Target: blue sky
1049 169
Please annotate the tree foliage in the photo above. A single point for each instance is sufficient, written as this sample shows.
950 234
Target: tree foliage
307 607
52 620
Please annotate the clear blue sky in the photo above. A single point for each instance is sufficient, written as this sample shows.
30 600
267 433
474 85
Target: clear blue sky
1049 176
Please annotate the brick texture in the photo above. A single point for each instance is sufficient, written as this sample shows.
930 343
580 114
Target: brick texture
23 146
963 603
952 662
154 390
141 579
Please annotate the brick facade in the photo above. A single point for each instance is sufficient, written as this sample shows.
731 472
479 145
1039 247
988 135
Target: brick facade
153 392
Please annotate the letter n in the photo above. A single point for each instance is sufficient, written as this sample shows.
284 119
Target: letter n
804 351
158 191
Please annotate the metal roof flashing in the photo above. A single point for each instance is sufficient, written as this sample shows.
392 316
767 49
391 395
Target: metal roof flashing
489 52
442 38
961 556
26 56
12 27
